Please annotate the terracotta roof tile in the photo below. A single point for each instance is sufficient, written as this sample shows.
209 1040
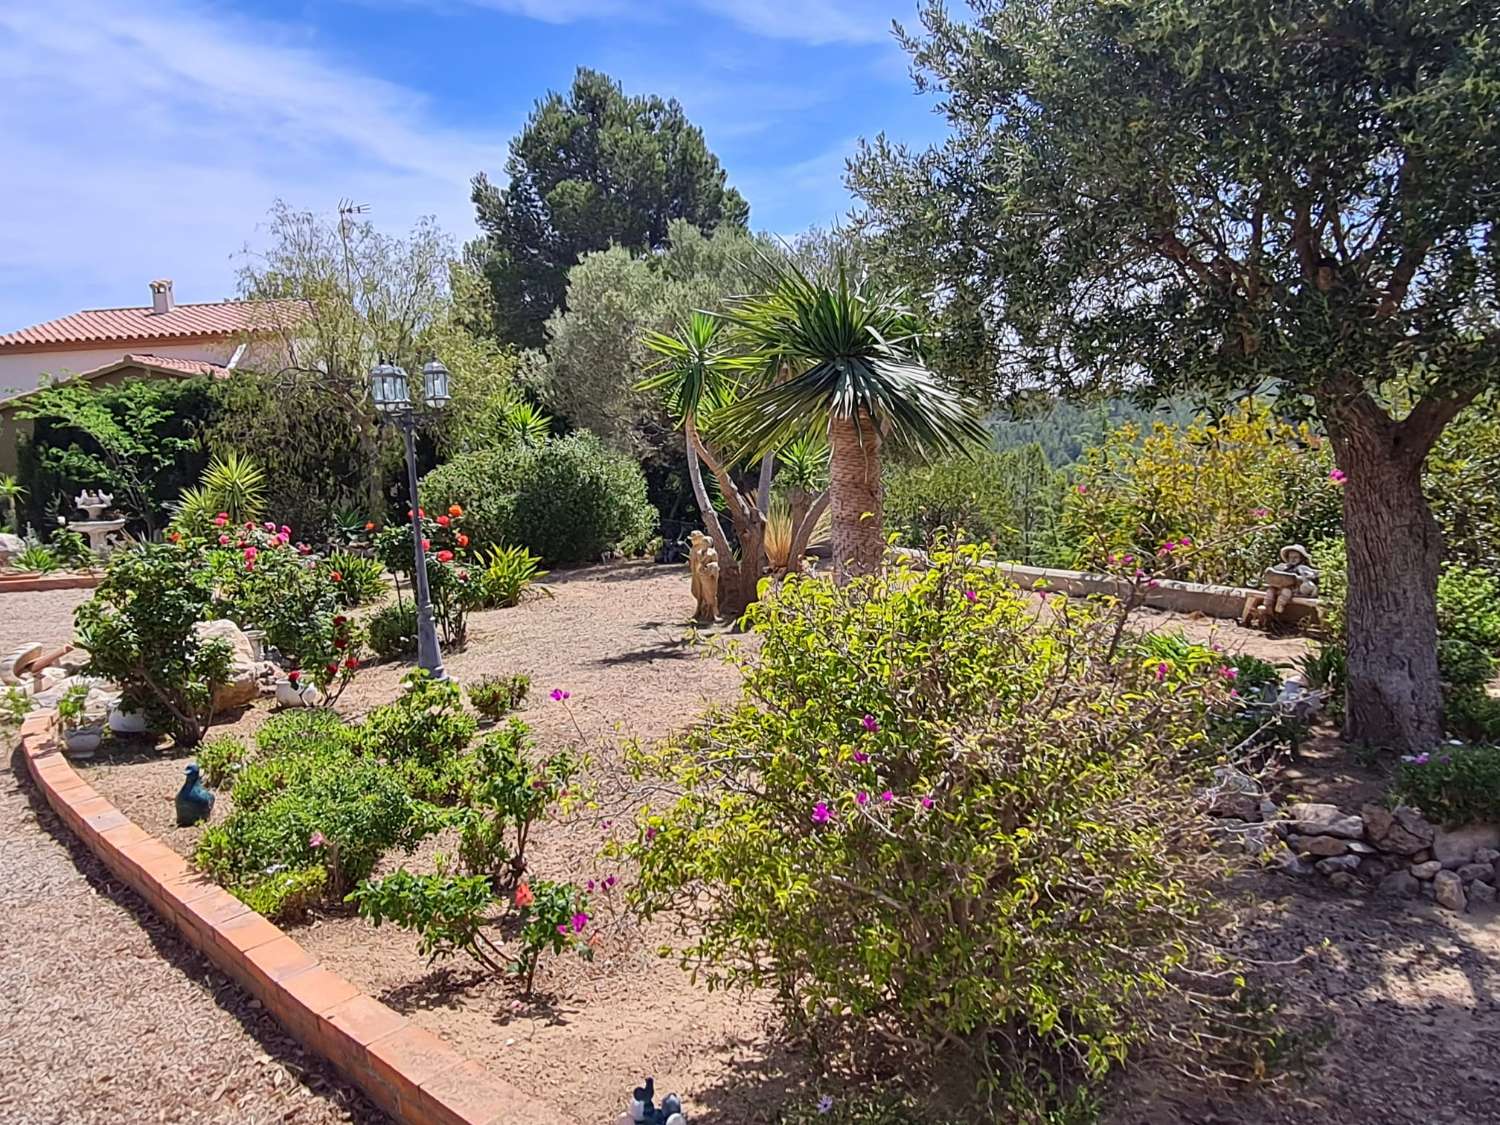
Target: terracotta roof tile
108 326
172 363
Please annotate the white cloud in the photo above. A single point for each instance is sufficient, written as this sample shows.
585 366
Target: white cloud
814 22
142 146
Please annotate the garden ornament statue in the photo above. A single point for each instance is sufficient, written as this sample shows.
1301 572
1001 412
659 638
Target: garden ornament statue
194 802
1293 577
643 1110
703 564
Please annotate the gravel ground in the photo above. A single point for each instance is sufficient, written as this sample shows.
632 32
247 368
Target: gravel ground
42 615
106 1017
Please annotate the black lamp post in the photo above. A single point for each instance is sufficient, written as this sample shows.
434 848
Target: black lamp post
393 402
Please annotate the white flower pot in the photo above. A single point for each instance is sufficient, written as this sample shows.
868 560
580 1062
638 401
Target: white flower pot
289 694
127 722
81 742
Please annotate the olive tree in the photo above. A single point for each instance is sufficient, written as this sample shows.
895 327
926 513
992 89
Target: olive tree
1202 198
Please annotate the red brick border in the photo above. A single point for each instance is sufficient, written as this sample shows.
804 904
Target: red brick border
410 1072
26 583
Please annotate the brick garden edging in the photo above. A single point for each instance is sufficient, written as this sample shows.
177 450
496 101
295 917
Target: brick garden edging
409 1072
28 583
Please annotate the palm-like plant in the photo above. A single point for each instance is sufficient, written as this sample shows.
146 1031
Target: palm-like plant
11 493
834 354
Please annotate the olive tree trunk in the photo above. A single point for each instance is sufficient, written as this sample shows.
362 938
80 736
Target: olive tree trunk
856 496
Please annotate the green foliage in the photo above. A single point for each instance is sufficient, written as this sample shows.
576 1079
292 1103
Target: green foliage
446 911
37 558
494 697
392 630
15 705
359 580
590 169
1462 483
554 918
71 549
11 494
139 632
70 706
287 895
138 440
1473 713
1011 500
1452 785
567 501
1463 664
508 573
1469 607
933 813
220 758
1238 487
233 486
1331 560
423 734
508 790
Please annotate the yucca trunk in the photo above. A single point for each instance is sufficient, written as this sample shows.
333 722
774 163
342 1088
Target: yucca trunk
856 496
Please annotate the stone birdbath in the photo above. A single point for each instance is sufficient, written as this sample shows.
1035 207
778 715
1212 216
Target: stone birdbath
96 528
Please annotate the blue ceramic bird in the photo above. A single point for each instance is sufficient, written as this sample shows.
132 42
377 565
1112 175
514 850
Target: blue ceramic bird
194 802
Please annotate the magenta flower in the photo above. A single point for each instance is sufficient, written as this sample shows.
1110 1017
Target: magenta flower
888 796
1229 672
1082 488
589 886
558 695
221 519
580 920
1338 476
1261 513
609 882
820 814
1161 671
287 531
862 798
650 834
562 928
250 553
928 802
269 526
971 595
870 724
861 757
223 540
316 840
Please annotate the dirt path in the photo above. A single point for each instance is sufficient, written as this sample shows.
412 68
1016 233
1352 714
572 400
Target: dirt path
106 1017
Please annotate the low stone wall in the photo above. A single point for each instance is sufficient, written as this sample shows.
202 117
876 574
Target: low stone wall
409 1072
27 583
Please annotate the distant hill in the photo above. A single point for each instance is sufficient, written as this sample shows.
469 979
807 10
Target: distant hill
1064 429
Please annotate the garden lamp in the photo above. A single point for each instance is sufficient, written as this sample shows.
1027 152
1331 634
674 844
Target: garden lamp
392 398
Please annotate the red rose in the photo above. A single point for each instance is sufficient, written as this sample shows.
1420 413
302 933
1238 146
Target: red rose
332 669
443 521
294 675
351 664
340 644
463 540
337 576
340 621
445 556
426 544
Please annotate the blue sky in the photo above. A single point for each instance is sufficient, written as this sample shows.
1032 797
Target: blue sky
148 139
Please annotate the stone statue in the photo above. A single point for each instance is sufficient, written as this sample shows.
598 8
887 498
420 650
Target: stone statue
1293 577
703 563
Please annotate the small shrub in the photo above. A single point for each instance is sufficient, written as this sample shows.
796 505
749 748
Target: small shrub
1331 560
1468 604
494 697
932 814
1463 664
287 895
508 790
72 549
446 911
392 631
15 705
507 573
1453 785
37 558
1472 713
357 580
423 734
220 759
553 916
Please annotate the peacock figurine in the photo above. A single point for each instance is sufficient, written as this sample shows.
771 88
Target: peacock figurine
194 801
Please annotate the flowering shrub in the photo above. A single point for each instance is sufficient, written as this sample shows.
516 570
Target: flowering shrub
139 632
1236 489
454 579
933 814
1452 785
424 734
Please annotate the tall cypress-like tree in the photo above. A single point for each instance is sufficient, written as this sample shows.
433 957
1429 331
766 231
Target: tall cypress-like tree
589 169
1170 197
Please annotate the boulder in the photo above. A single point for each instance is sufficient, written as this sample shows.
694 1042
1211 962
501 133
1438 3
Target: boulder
1285 860
1480 891
1374 869
1471 871
1324 820
1486 855
1398 884
1457 847
1235 806
1402 831
1337 863
1448 890
1426 870
1319 845
243 686
1231 780
1343 881
10 547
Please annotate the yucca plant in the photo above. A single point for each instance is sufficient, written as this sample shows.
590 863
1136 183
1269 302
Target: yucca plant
839 356
521 423
237 484
11 493
508 572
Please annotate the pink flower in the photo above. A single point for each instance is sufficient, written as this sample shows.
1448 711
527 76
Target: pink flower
250 553
870 724
1161 671
445 556
287 531
821 813
562 928
928 802
282 537
1338 476
558 695
1229 672
861 798
221 519
1082 488
1185 542
223 540
650 834
315 840
861 757
888 796
589 886
269 526
609 882
580 920
971 595
1261 513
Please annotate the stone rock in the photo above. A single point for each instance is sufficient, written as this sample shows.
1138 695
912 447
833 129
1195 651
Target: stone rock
1374 869
1402 831
1238 806
1426 870
1231 780
1480 891
243 686
1337 863
51 677
1448 889
1267 808
1343 881
1256 839
10 546
1457 847
1359 847
1286 861
1471 871
1324 820
1399 884
1319 845
1422 856
1486 855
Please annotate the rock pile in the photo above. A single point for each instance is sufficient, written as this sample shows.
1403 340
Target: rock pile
1392 852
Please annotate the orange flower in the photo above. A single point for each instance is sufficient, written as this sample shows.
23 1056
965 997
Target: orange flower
524 897
369 525
463 540
455 511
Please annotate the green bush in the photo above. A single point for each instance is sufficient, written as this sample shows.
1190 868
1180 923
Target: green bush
507 573
220 759
424 734
508 790
1010 500
1463 664
494 697
392 630
37 558
567 500
139 632
357 580
287 895
1453 785
935 815
1468 604
1472 713
1462 482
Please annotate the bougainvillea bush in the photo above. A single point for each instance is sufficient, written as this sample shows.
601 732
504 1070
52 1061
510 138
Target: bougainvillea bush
936 818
